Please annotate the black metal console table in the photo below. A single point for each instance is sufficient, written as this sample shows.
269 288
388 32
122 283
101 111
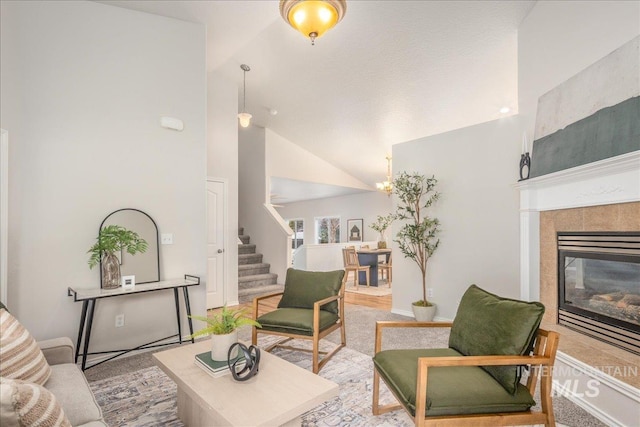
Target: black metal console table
89 298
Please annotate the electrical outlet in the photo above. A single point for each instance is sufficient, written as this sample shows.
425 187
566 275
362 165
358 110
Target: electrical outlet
166 239
429 292
119 320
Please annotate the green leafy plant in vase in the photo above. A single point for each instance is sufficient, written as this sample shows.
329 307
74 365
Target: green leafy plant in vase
417 238
380 225
111 240
223 328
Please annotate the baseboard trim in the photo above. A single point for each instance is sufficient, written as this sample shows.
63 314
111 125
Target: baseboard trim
612 401
402 312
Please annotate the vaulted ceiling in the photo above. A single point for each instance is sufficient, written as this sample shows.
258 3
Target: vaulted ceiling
389 72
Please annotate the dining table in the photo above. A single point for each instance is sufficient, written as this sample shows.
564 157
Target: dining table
371 258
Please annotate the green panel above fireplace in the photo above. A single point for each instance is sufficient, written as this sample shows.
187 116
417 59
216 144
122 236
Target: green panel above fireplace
606 133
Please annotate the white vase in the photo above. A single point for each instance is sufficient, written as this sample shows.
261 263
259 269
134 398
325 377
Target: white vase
220 346
424 314
382 241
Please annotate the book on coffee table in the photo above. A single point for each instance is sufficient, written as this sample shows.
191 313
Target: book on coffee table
216 368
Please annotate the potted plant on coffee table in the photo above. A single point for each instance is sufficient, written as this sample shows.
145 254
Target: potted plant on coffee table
417 237
112 239
223 328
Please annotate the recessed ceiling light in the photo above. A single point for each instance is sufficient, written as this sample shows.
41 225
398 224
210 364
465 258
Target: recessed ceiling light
505 110
273 111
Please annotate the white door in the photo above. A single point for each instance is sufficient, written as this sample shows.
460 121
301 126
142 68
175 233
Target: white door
215 243
4 212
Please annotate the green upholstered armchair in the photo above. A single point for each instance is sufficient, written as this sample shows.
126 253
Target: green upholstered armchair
312 306
476 381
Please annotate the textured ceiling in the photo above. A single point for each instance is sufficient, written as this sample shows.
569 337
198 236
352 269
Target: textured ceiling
390 72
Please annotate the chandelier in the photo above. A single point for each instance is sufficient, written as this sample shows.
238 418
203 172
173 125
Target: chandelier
386 186
244 117
312 17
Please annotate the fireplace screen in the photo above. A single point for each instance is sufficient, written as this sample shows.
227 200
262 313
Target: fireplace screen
599 286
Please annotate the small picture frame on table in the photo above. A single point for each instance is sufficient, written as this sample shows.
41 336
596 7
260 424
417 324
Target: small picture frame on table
128 283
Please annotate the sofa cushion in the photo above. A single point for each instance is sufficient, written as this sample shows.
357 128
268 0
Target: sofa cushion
29 404
71 389
487 324
450 390
303 288
20 355
295 321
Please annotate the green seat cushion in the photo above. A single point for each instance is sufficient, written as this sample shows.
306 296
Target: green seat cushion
295 321
487 324
450 390
303 288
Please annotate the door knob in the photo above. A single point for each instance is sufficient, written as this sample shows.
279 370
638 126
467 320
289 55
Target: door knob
220 251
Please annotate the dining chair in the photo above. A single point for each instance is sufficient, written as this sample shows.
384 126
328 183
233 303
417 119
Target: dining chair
352 264
388 267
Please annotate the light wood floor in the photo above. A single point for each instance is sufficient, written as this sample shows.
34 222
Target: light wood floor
381 303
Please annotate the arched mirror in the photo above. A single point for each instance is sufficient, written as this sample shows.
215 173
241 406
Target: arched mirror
145 266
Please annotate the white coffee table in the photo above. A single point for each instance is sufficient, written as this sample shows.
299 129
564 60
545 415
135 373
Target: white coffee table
278 395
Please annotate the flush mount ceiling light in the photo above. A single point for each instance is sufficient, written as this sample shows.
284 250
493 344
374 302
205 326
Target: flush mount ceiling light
386 186
312 17
244 117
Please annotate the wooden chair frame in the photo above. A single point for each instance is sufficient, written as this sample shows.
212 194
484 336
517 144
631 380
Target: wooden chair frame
354 266
541 366
388 267
317 334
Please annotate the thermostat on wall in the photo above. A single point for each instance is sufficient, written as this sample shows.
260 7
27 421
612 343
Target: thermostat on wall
171 123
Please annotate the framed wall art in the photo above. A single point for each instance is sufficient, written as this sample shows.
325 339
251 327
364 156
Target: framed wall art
355 230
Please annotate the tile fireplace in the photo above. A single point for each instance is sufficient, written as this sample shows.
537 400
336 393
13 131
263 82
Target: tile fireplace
599 285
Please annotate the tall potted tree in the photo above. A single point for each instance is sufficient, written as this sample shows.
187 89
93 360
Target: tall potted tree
417 237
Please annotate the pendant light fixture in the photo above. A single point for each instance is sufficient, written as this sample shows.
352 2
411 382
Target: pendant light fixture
386 186
244 117
312 17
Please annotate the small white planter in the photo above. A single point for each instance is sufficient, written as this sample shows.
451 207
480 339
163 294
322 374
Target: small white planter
424 314
220 346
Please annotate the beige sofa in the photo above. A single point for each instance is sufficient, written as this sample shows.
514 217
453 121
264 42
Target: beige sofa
69 385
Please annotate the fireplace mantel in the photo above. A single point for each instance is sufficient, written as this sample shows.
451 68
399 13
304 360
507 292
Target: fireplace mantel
608 181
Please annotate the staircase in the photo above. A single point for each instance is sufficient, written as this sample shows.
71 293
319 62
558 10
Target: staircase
254 277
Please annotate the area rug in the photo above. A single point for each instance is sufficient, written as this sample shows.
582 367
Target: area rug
147 397
376 291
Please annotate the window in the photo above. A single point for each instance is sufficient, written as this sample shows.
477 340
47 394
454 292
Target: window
328 229
297 225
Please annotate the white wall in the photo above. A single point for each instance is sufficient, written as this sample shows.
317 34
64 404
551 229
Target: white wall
222 162
83 88
285 159
363 205
478 211
267 231
558 39
264 154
